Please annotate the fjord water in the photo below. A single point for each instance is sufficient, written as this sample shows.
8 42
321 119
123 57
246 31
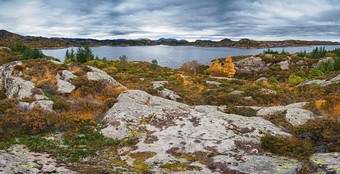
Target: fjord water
174 56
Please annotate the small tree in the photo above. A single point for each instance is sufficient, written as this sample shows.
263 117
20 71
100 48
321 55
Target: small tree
123 58
229 69
190 66
314 72
67 54
215 69
153 64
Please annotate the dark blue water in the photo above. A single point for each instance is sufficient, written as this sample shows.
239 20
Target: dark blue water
174 56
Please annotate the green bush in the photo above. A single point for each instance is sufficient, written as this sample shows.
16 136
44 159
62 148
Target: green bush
273 80
245 111
314 72
292 147
295 79
337 63
326 67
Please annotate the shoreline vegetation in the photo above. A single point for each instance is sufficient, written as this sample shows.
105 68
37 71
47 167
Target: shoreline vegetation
8 38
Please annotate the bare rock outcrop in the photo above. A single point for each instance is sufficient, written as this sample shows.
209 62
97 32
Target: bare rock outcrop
97 74
250 65
172 132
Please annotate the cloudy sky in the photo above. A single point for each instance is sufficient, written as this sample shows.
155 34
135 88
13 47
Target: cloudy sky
181 19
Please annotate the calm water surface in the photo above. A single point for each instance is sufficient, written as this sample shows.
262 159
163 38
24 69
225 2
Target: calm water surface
174 56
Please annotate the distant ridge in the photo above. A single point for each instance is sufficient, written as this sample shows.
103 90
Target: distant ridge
6 37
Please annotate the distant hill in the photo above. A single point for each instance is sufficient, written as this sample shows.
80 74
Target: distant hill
7 38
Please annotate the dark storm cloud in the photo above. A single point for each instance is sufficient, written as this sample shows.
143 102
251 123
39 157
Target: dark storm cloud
189 19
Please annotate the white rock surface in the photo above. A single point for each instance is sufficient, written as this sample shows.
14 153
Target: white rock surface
169 128
18 159
98 74
65 75
326 162
64 87
297 116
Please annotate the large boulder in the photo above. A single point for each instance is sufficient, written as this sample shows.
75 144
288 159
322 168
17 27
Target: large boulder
325 60
43 104
201 138
16 87
97 74
326 162
297 116
284 65
64 87
294 113
323 82
65 75
250 65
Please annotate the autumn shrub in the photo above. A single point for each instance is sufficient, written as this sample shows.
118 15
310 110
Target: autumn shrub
245 111
61 105
323 133
279 120
34 121
292 147
2 94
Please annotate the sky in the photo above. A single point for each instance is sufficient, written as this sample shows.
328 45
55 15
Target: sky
180 19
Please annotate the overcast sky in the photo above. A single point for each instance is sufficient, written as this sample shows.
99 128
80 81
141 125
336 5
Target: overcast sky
180 19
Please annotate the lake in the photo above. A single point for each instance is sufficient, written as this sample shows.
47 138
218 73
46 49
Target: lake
174 56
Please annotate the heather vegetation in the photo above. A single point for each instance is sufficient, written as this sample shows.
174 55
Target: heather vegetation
71 132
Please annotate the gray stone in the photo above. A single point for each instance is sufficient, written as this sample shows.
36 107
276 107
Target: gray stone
300 62
65 75
18 159
24 106
224 78
272 110
325 60
98 74
326 162
284 65
262 79
157 84
17 87
64 87
250 65
43 104
324 82
166 93
268 91
213 83
297 116
167 127
239 92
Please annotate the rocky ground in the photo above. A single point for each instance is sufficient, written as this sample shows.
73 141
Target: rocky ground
171 137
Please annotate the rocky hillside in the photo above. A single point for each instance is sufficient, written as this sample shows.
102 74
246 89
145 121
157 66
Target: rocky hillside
8 38
132 117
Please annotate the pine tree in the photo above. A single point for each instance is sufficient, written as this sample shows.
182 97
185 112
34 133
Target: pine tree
67 55
229 69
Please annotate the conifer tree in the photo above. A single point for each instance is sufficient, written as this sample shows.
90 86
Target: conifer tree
229 69
215 69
